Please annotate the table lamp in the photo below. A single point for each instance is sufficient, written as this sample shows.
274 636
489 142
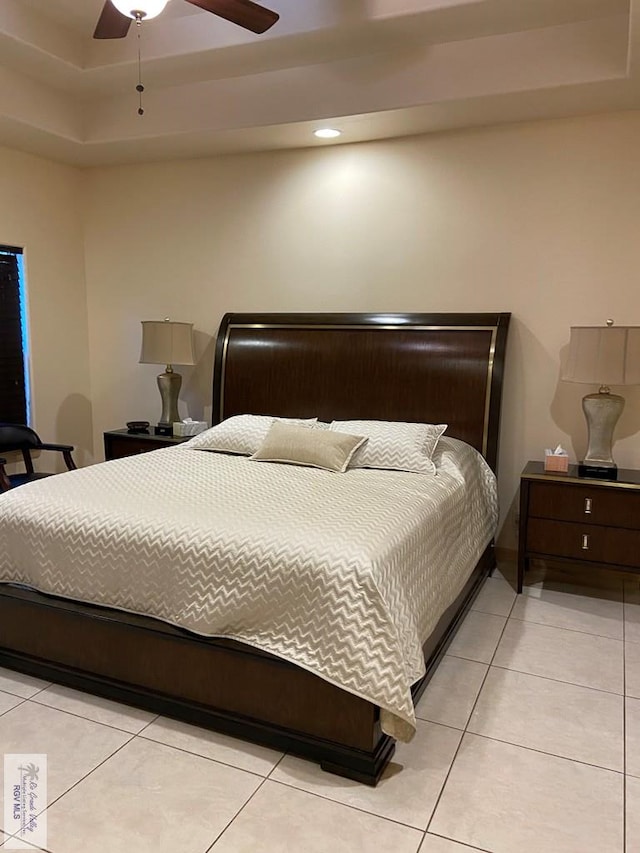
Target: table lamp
167 342
604 356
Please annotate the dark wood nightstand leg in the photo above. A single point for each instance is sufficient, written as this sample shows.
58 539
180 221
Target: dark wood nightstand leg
523 566
523 560
494 563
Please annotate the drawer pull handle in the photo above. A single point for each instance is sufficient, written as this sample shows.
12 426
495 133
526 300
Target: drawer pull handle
585 541
587 506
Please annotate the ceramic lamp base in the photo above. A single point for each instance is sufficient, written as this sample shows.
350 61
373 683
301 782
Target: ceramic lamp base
169 384
602 411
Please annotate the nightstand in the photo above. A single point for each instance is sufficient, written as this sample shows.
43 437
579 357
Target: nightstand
568 518
121 442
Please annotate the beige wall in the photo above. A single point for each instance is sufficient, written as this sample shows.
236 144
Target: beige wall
540 219
41 211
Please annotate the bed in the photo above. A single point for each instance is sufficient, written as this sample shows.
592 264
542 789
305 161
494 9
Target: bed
409 368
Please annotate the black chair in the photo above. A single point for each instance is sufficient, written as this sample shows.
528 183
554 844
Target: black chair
15 437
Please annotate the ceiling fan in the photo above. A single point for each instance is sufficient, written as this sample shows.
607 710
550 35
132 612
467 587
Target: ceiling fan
117 15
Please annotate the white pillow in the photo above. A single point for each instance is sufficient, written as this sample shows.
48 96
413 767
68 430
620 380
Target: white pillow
316 448
242 434
394 445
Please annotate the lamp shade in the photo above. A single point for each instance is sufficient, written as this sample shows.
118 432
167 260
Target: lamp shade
166 342
146 8
604 355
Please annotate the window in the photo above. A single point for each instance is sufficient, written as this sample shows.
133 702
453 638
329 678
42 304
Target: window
14 385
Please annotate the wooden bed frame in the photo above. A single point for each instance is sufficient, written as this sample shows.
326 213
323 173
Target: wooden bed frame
434 368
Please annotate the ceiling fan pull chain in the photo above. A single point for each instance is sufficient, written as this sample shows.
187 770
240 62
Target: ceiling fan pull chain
139 87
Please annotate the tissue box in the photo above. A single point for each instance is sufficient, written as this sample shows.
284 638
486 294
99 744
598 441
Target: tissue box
556 462
182 429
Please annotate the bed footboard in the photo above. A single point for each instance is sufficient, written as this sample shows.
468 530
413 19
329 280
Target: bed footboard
215 683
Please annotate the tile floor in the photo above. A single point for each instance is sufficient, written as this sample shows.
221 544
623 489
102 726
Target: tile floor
528 740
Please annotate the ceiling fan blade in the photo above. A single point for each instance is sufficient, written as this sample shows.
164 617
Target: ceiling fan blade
244 13
111 24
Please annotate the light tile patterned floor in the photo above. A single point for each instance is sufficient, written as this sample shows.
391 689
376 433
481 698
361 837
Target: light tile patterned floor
525 734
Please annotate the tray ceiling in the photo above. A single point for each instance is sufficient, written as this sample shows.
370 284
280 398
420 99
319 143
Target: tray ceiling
373 68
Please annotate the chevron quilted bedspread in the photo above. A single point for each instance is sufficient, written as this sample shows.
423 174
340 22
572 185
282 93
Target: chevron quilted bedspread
345 574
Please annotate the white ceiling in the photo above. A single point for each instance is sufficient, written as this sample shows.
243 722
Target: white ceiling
373 68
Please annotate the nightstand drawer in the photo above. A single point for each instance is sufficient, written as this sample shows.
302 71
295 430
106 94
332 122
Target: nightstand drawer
588 542
131 447
121 442
588 504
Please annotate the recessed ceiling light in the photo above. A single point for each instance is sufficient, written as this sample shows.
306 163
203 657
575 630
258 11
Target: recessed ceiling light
327 133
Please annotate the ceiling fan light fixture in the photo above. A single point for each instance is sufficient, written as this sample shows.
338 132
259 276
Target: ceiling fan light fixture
116 15
144 8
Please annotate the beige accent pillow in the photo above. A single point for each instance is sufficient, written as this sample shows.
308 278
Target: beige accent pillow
394 445
316 448
242 434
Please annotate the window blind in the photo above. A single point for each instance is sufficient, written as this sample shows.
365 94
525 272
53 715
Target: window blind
13 398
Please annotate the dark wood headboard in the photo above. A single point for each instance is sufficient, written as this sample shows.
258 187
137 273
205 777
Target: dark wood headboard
423 368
